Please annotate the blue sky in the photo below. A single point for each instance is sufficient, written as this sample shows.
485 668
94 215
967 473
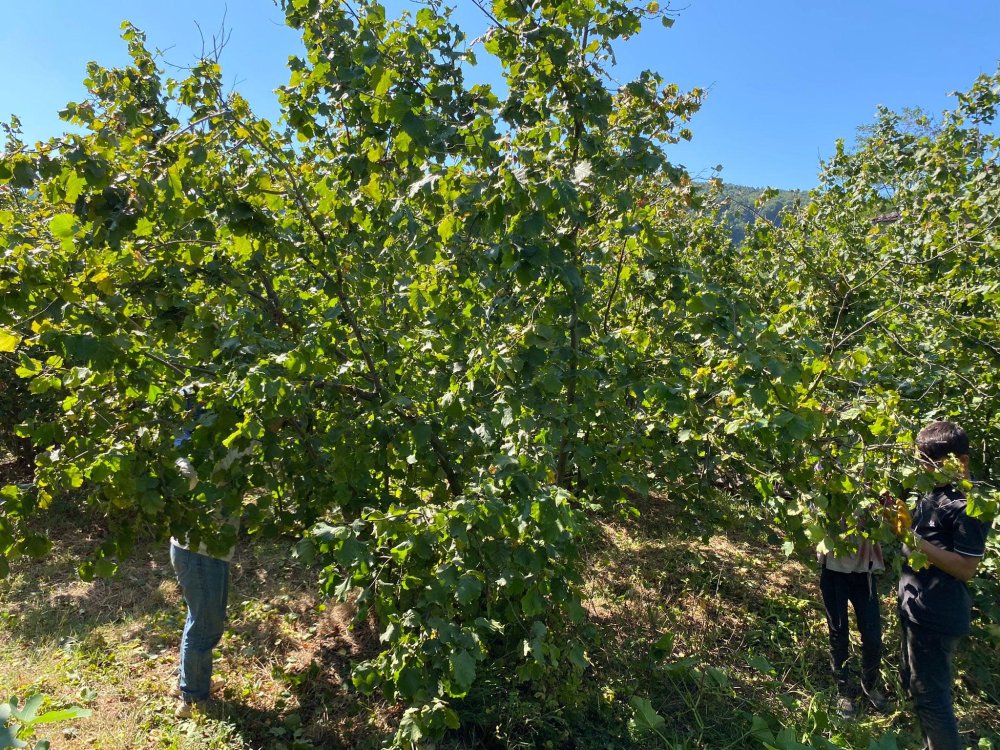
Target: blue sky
785 78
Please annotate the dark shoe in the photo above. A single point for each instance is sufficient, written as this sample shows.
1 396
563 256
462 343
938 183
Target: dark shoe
876 700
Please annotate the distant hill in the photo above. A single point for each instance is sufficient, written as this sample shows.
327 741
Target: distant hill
739 206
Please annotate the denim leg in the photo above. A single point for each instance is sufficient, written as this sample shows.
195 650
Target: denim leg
833 586
204 583
864 598
928 671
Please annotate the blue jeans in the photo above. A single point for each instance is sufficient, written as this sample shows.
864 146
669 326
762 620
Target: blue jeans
205 585
925 671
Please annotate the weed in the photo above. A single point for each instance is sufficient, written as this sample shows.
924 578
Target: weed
723 639
17 723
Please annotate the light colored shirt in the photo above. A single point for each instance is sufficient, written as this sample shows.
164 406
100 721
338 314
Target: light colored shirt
188 471
868 559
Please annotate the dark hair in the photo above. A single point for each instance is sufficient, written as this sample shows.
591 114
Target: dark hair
941 439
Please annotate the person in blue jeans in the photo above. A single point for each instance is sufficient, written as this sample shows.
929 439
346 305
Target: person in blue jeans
204 580
935 607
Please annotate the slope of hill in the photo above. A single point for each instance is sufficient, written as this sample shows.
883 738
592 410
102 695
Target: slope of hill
739 206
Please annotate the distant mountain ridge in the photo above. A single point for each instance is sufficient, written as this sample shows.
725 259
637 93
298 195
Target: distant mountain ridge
739 206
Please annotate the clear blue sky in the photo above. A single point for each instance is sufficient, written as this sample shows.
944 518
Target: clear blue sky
785 79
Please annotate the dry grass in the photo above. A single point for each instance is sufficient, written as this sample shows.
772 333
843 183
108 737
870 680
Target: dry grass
112 645
730 602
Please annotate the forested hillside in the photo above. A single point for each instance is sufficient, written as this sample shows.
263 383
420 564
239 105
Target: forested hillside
450 352
740 205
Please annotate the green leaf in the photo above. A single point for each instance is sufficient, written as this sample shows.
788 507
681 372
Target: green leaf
174 181
105 568
385 82
786 740
663 646
532 603
28 367
469 589
24 174
143 228
410 728
463 668
8 738
447 227
760 730
65 714
8 340
719 677
761 664
578 656
403 142
888 742
63 226
74 186
30 709
410 681
644 718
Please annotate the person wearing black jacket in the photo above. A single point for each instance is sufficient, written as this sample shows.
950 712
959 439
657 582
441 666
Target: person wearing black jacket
935 607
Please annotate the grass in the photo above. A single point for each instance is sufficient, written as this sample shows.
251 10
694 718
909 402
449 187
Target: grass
712 632
743 634
111 646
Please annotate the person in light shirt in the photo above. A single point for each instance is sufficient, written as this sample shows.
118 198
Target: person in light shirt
853 578
203 574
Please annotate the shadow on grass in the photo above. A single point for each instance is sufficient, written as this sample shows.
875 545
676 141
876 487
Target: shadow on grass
743 627
48 604
262 728
286 664
712 630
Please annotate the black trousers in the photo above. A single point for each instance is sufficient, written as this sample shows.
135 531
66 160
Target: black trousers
925 671
861 590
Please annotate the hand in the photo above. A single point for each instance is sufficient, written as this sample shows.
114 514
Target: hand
187 471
